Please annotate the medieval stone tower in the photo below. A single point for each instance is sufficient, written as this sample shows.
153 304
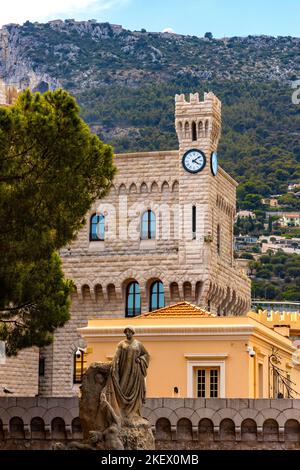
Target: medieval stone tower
198 123
208 194
163 234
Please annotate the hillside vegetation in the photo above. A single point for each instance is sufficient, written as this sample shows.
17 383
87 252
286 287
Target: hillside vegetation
276 276
126 80
260 135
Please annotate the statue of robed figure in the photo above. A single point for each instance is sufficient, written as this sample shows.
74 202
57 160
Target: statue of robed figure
128 372
112 397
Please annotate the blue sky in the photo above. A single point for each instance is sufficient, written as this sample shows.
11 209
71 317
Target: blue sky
194 17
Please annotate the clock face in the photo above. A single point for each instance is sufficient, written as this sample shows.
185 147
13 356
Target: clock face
214 163
193 161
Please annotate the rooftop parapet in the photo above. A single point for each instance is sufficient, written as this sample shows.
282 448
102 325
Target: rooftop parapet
273 318
209 98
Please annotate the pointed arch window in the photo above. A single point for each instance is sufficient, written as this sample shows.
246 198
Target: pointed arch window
148 225
200 129
186 130
157 295
206 128
133 299
97 227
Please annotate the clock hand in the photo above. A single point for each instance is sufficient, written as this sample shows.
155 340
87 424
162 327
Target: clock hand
196 160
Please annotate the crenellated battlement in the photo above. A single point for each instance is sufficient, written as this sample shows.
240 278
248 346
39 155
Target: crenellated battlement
198 121
209 98
286 323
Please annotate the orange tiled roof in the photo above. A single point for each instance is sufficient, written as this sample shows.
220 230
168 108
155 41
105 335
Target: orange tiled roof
181 309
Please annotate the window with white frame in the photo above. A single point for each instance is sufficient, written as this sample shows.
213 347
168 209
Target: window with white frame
206 375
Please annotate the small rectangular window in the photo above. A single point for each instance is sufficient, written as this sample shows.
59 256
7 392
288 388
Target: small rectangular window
41 367
194 221
218 239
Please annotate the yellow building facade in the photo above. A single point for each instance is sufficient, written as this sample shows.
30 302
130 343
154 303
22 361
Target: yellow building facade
197 354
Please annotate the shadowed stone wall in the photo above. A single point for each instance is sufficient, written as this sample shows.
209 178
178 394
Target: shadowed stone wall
178 423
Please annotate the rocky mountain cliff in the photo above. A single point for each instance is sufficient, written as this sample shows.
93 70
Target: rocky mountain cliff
80 55
125 82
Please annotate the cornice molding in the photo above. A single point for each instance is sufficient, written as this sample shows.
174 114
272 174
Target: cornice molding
195 356
187 332
164 330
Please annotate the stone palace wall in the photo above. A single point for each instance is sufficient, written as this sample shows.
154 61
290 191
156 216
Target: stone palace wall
178 423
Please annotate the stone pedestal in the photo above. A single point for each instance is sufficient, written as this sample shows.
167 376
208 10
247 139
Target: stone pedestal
137 436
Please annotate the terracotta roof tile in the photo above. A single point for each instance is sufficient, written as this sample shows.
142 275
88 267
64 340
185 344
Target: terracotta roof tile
179 310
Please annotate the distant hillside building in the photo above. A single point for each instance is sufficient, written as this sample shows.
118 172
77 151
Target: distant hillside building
273 306
276 243
270 201
289 219
8 93
292 186
245 215
163 234
245 242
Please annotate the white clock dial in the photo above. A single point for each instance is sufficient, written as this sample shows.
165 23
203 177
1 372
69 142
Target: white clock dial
214 163
193 161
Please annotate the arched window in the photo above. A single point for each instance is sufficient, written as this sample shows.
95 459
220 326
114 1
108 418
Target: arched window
206 128
200 129
148 226
16 428
157 295
97 225
133 299
79 365
37 426
76 428
180 128
186 130
194 131
58 428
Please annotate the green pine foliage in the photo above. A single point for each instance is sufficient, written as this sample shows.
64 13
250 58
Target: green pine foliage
51 170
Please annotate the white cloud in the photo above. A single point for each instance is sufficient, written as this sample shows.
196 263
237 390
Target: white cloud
19 11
